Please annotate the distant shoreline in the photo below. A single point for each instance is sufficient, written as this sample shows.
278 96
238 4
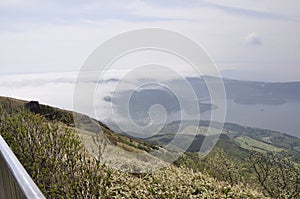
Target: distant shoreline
259 100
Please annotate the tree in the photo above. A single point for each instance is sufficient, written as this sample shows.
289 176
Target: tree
277 174
222 168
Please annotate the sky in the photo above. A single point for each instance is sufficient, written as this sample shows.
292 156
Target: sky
44 44
247 39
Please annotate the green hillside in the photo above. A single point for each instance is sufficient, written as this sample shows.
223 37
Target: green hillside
234 138
90 160
255 145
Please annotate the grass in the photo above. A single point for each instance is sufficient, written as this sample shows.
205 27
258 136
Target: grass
63 166
255 145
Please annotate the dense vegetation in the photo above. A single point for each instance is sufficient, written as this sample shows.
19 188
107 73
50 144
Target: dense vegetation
53 156
242 165
60 165
273 173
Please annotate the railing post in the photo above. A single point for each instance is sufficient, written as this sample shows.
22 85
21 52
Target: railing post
15 182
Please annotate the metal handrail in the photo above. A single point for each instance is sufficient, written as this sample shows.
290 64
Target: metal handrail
15 182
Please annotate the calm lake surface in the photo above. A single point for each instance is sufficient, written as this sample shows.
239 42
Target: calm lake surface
284 118
57 89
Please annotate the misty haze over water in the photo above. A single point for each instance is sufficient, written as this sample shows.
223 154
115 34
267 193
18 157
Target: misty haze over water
57 90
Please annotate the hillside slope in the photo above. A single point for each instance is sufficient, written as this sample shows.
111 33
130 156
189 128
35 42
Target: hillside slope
55 147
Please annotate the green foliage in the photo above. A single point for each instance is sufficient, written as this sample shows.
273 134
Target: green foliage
226 162
57 161
255 145
277 174
50 113
279 140
173 182
225 169
273 172
190 160
53 156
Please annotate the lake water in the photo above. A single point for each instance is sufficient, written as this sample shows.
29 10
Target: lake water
57 90
284 118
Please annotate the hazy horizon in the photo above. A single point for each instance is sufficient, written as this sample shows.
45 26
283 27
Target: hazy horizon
45 44
259 38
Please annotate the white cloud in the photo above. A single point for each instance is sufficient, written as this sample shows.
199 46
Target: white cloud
44 88
174 13
62 43
288 10
11 2
253 39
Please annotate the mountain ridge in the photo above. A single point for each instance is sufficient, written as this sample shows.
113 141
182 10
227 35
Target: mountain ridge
178 182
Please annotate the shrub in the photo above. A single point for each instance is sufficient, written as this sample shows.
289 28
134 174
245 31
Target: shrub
61 167
277 174
53 156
